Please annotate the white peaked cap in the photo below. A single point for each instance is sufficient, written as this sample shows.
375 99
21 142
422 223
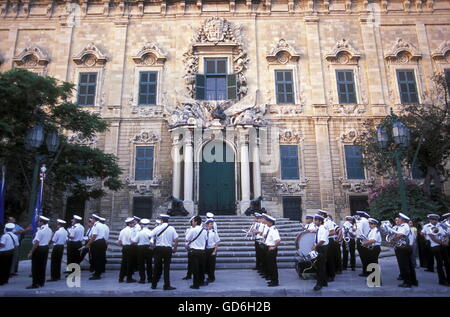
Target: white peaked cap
44 218
129 219
209 215
145 221
61 221
10 226
76 217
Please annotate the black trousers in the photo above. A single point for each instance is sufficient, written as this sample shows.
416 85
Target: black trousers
189 266
163 257
210 264
321 265
198 266
345 252
6 261
39 265
126 269
442 261
331 256
373 254
73 253
134 257
407 270
337 257
263 257
271 265
258 255
145 259
362 255
98 256
55 263
429 256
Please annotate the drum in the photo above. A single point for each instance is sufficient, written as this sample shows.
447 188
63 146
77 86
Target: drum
306 258
304 243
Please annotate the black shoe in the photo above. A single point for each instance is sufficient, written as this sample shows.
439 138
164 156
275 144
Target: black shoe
141 282
399 278
331 279
169 288
186 278
153 286
52 280
120 280
255 268
204 284
317 288
194 287
210 280
131 281
95 277
33 286
273 284
416 283
444 284
405 285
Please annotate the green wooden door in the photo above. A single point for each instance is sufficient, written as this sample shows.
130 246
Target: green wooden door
217 191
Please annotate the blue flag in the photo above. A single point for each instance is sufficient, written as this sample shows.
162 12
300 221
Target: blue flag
37 207
2 195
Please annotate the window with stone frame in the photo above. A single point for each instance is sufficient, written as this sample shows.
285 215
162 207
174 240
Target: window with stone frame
284 86
407 86
354 162
215 83
147 88
144 163
289 162
87 86
345 81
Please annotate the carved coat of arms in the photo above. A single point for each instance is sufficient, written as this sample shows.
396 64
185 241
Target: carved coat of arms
215 30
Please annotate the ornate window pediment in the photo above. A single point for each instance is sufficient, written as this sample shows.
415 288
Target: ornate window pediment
145 137
150 54
80 139
402 52
343 53
288 136
349 136
32 57
282 53
442 53
90 56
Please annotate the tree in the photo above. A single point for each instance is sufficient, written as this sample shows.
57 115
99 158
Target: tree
429 123
27 99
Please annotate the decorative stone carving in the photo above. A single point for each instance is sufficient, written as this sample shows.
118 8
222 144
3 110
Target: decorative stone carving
357 186
150 54
442 53
143 187
286 110
283 187
349 109
343 53
402 52
290 136
80 139
148 112
146 137
32 57
216 33
90 56
349 136
282 53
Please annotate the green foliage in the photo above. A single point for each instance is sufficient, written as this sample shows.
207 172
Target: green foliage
27 99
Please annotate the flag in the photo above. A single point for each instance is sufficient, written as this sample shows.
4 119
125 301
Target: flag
38 205
2 194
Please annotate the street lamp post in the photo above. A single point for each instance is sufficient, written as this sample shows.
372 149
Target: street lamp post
394 138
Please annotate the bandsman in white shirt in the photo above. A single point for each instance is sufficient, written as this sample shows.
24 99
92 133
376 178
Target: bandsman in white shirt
349 235
212 244
333 245
309 224
145 253
435 233
261 235
8 242
59 240
134 249
166 243
39 253
429 258
75 241
196 239
125 241
189 265
321 246
254 228
272 242
97 247
210 215
363 229
446 221
373 243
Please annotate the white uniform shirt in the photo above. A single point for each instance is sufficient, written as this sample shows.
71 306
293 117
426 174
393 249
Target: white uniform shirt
374 234
265 231
77 232
142 237
311 227
200 241
430 232
125 235
43 235
212 238
348 226
404 229
330 226
214 225
322 235
99 230
272 236
9 240
106 231
167 238
362 227
262 227
425 230
412 237
60 236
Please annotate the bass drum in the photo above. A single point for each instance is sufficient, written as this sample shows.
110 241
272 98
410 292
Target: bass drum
304 266
304 242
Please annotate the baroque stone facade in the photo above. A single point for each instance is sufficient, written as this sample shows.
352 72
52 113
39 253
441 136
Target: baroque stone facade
119 39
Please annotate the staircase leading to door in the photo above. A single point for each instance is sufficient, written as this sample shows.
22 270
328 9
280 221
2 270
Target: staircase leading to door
235 252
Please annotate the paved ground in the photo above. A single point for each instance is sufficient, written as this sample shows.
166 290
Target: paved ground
240 283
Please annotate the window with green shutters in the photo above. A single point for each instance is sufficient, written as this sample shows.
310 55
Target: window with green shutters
289 161
284 86
353 162
215 83
346 86
87 83
144 163
407 86
147 88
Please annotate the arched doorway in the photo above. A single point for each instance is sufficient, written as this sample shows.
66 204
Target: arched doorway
217 179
